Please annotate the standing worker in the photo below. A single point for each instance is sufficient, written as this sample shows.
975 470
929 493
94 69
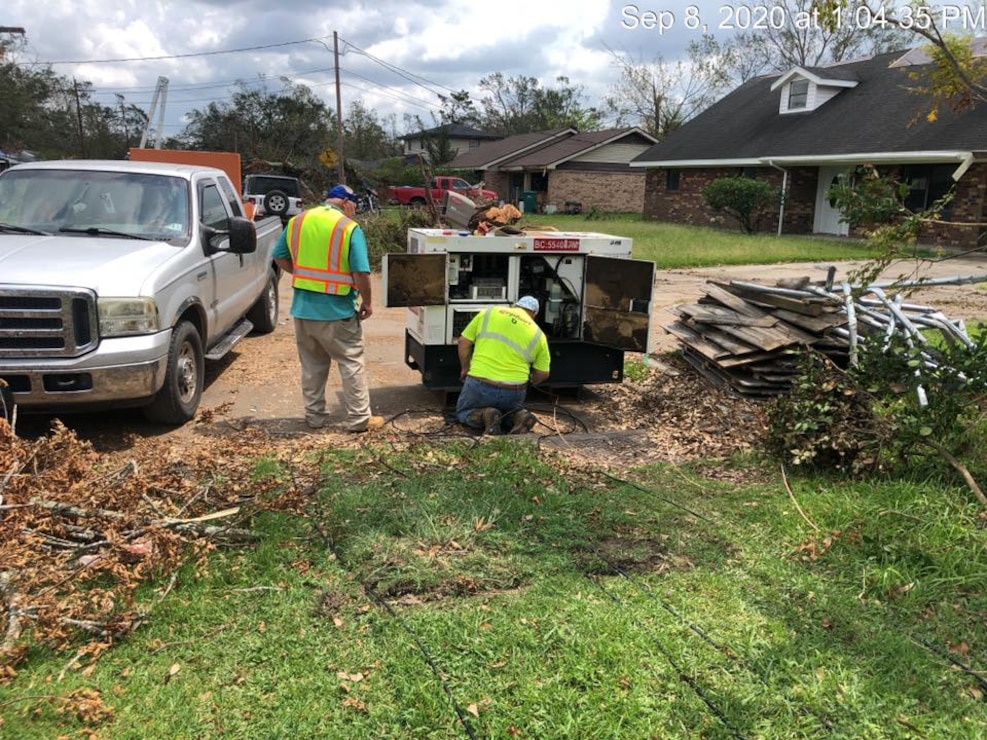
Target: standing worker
500 350
325 251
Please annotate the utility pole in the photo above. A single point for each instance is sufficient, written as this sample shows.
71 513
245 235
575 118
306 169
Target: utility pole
123 123
10 30
78 113
341 168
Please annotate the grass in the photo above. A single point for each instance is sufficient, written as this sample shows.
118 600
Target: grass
667 245
672 245
492 591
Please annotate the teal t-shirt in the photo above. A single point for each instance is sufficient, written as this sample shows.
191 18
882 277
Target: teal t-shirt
308 304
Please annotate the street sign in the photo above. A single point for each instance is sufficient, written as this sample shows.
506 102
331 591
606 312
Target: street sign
328 157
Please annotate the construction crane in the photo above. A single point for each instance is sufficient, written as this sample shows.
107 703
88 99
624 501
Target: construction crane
157 132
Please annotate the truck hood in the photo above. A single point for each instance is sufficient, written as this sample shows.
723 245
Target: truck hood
110 266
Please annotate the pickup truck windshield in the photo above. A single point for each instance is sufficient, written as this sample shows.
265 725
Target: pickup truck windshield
95 203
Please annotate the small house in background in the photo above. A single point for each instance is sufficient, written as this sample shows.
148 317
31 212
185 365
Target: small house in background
810 128
564 169
462 138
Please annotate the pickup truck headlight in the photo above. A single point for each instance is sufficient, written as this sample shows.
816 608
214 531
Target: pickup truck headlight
120 317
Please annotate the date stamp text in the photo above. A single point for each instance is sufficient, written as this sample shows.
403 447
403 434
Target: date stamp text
956 17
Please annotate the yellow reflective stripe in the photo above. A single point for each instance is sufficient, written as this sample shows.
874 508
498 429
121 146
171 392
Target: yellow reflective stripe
525 352
295 238
324 275
321 268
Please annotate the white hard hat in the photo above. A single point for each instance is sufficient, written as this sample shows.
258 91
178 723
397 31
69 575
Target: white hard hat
528 302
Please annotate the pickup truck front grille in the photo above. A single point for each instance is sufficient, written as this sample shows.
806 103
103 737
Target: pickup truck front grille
47 322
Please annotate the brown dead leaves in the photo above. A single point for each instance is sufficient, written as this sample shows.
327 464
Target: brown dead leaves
82 530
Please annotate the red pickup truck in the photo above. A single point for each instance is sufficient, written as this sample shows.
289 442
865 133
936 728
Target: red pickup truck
411 195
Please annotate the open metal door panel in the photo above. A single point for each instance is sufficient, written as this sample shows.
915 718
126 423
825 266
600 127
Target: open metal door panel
414 279
617 302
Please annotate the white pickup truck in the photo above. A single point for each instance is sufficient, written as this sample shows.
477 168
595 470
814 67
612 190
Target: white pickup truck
118 279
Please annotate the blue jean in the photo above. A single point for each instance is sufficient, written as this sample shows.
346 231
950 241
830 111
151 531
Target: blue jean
476 395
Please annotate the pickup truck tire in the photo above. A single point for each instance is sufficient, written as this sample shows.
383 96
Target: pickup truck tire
179 397
416 202
276 203
264 313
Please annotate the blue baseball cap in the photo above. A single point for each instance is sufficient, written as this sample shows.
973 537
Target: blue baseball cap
342 192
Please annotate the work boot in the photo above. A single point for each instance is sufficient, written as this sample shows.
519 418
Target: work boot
524 422
489 418
374 422
316 421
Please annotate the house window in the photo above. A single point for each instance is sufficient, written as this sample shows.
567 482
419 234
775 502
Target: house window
927 183
673 179
750 173
474 143
798 94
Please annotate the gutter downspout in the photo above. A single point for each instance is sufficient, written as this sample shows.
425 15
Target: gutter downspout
967 162
784 194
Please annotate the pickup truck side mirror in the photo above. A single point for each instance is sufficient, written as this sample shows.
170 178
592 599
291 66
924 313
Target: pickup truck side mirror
242 234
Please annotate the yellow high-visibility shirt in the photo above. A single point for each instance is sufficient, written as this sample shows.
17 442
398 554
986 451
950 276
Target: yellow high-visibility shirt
507 343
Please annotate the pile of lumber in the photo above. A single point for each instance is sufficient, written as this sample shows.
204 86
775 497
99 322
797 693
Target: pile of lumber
747 336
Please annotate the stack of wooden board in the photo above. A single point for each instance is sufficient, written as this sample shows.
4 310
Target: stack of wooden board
745 335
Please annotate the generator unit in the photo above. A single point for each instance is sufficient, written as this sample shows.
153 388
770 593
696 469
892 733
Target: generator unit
595 301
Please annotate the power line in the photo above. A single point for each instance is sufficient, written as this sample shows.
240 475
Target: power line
410 76
175 56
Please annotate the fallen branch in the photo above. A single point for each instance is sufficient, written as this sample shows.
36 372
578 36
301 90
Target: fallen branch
959 468
13 613
791 495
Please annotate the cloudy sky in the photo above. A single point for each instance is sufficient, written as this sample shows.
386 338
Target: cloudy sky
397 56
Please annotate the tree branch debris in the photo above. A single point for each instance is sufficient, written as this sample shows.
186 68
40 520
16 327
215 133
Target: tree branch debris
78 539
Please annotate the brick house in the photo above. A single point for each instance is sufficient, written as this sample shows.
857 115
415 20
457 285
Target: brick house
565 169
811 127
462 138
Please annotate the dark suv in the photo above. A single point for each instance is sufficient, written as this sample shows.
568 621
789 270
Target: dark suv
273 195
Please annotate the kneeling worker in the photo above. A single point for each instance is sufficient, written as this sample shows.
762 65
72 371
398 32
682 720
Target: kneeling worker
500 350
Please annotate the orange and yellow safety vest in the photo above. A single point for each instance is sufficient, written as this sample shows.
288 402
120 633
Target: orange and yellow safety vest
319 241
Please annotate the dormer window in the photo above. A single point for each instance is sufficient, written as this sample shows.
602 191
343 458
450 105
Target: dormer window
798 94
803 90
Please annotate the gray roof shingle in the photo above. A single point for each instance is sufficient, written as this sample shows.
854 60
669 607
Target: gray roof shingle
880 115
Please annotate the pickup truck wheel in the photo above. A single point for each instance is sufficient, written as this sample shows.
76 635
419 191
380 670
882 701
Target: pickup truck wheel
416 202
179 397
276 203
264 314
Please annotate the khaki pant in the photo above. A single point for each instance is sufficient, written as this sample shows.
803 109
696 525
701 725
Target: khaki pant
321 342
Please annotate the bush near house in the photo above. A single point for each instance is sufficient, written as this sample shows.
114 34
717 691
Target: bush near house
742 198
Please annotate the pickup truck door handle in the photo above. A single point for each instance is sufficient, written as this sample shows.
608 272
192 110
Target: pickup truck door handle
202 275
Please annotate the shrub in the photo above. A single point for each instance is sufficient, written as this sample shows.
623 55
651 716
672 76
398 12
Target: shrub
826 421
743 198
387 232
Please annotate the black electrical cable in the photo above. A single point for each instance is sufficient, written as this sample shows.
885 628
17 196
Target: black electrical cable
968 670
380 601
425 653
683 676
726 650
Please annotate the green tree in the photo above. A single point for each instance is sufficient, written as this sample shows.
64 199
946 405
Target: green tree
291 127
743 198
519 105
364 136
458 107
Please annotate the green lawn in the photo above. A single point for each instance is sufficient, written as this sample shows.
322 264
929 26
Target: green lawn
667 245
670 245
490 590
